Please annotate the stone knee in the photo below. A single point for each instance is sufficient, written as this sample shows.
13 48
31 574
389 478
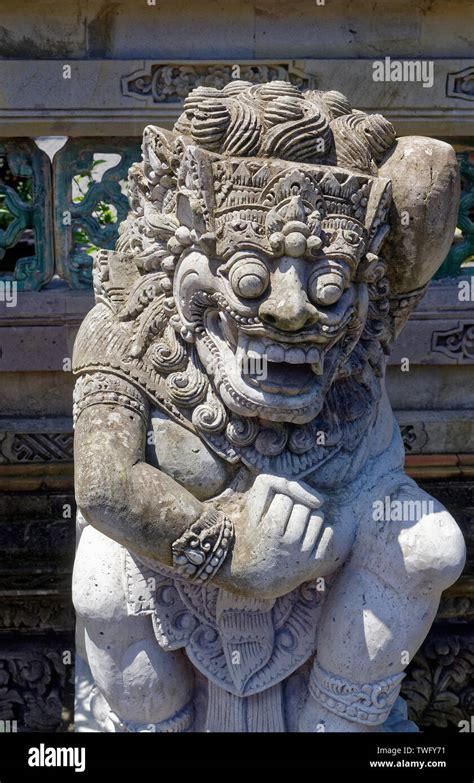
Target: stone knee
410 541
433 548
140 683
363 628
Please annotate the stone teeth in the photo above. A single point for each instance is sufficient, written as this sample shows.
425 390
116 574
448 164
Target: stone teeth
295 356
275 353
316 359
255 349
313 356
243 342
318 367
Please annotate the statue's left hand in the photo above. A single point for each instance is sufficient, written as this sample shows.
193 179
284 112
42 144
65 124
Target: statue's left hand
285 511
285 539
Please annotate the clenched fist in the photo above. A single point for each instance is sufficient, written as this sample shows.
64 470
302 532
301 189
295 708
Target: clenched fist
287 537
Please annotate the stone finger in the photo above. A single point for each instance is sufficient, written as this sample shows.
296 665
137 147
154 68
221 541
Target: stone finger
296 525
313 533
302 495
278 514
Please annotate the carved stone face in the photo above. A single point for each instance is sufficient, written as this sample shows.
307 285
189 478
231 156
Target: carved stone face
278 317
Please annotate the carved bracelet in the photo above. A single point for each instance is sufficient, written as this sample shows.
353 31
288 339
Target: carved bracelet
200 551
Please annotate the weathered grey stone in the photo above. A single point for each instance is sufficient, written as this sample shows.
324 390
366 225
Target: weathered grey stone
120 96
45 29
424 202
255 28
36 394
38 333
437 432
430 387
281 574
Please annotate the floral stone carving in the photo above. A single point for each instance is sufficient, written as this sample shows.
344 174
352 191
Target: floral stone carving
233 434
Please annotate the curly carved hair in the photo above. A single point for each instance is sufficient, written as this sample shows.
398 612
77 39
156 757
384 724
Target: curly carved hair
277 120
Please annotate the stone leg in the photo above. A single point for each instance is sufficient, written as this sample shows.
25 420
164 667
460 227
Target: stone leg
141 686
378 613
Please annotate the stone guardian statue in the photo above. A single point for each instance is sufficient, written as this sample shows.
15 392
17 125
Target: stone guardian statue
234 440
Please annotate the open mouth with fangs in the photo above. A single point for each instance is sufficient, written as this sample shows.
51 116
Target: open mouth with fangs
277 368
269 373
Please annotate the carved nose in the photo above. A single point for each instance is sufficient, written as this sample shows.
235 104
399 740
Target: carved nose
287 306
288 311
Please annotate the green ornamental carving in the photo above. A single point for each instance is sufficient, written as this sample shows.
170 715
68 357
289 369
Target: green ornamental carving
26 209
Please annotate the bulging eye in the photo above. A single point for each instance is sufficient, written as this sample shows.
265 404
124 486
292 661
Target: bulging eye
326 286
249 278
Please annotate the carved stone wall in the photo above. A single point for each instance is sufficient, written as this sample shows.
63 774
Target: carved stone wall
36 615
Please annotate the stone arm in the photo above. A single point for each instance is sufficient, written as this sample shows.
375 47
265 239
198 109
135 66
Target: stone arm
425 201
119 493
127 499
278 530
145 510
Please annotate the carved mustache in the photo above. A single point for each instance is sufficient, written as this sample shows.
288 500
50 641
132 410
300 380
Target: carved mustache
329 325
